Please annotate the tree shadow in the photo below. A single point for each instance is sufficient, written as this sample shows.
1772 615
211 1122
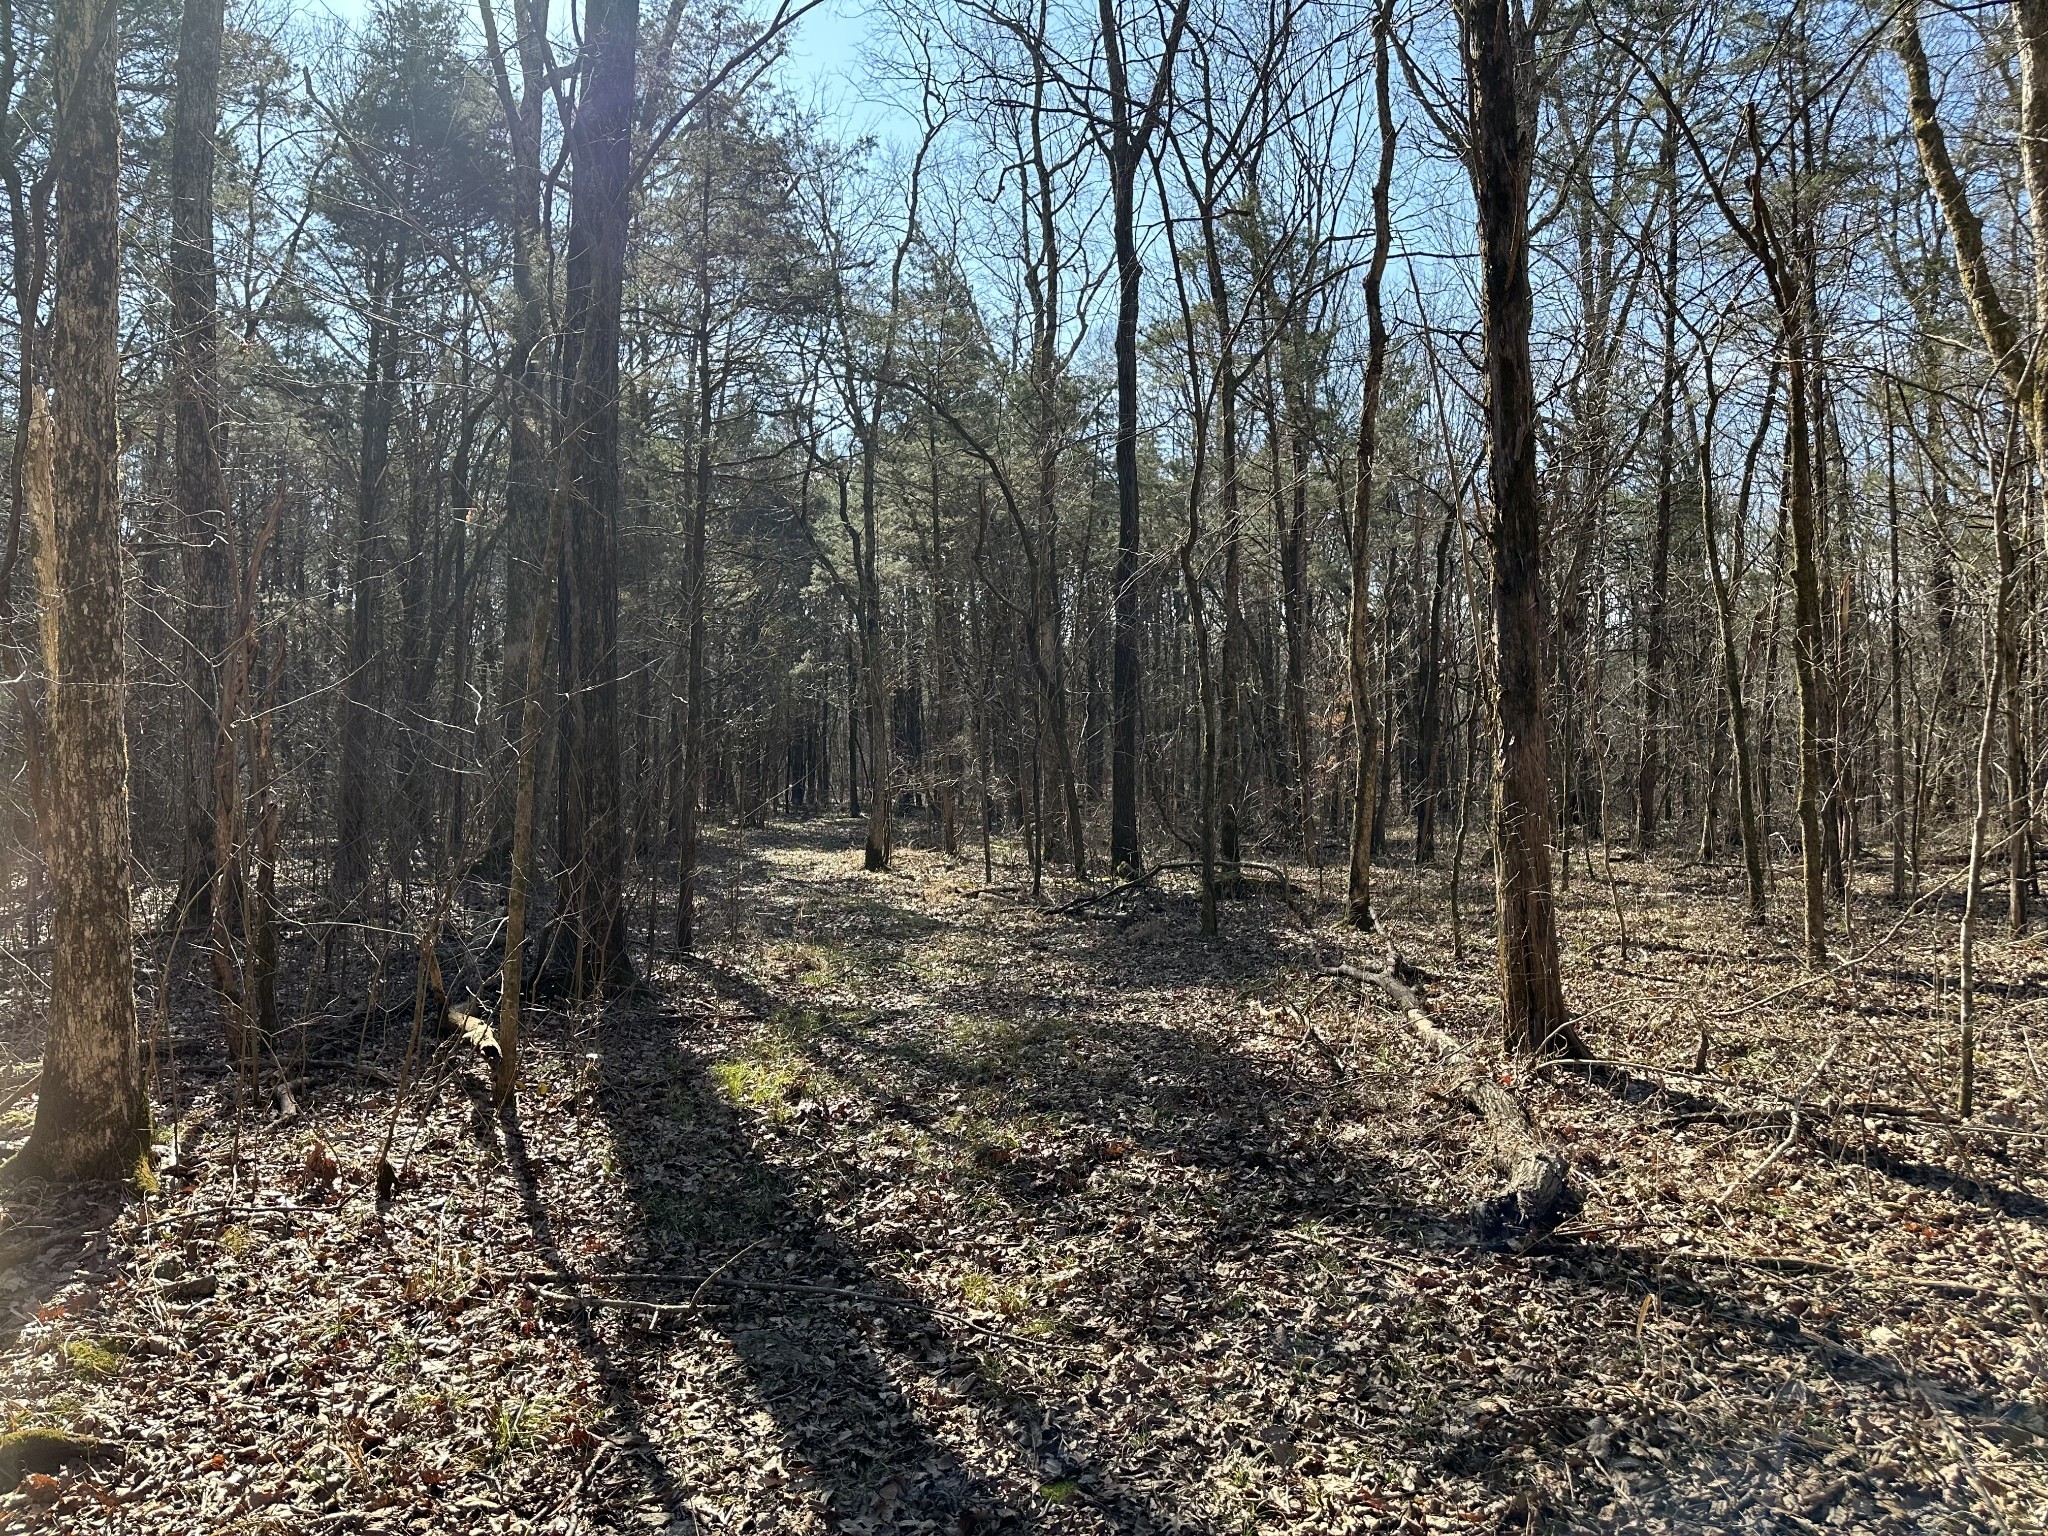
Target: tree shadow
827 1344
56 1252
1637 1091
1018 1101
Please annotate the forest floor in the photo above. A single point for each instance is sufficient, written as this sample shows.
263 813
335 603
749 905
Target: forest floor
919 1207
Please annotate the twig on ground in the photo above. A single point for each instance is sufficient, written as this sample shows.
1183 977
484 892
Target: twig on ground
786 1288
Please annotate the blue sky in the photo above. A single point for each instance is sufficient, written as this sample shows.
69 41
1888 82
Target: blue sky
824 54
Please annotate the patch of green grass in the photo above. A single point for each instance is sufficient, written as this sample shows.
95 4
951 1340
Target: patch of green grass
519 1428
775 1075
434 1404
1059 1490
445 1278
96 1357
797 1026
991 1295
818 963
769 1087
989 1050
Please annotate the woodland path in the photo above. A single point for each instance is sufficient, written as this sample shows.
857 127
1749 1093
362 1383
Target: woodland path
941 1212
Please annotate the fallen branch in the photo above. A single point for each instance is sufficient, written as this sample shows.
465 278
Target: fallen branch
779 1287
1780 1264
21 1091
476 1030
1135 883
1138 882
1538 1192
1780 1108
1791 1131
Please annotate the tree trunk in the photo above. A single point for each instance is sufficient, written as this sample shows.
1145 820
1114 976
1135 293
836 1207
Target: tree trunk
874 668
199 483
1366 771
1995 694
1039 541
1532 992
2019 799
591 905
527 430
1124 851
1747 815
1897 646
1806 639
1129 131
1654 619
353 795
1290 510
696 575
1429 709
91 1118
526 749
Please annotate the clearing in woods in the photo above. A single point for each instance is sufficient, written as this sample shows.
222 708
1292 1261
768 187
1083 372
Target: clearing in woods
917 1207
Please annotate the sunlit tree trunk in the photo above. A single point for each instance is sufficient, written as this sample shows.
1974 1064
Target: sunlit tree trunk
527 412
591 900
91 1119
1496 46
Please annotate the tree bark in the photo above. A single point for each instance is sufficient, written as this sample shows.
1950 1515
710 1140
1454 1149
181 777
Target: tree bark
91 1118
199 491
1129 133
1124 850
353 794
1747 815
591 905
1533 1017
1290 513
1364 720
690 789
526 764
1538 1188
527 429
1654 619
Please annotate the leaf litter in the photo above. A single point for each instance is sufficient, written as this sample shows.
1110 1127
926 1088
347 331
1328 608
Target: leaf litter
919 1207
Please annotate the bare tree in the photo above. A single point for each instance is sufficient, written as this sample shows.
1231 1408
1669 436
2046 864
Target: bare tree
1498 45
1365 792
591 901
90 1115
200 483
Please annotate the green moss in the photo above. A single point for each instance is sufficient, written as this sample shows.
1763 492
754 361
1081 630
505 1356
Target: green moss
39 1449
100 1357
1059 1490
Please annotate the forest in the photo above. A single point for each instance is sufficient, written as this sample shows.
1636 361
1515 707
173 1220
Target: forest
995 766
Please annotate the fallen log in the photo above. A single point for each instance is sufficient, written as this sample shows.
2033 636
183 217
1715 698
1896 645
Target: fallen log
1538 1192
1271 874
476 1029
471 1022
